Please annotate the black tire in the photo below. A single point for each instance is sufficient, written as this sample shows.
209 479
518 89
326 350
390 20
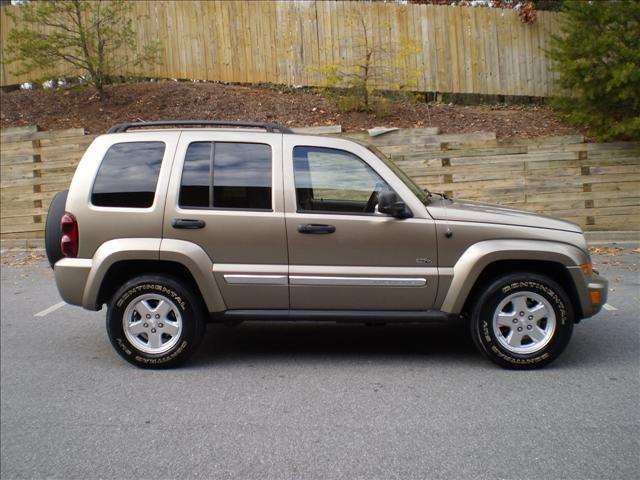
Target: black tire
186 310
493 338
52 232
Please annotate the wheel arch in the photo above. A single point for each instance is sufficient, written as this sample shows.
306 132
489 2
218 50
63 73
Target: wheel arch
117 261
554 270
483 260
121 272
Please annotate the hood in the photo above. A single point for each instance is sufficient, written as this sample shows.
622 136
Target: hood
468 211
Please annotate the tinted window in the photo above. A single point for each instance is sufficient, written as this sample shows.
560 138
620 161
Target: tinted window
128 175
241 176
329 180
196 176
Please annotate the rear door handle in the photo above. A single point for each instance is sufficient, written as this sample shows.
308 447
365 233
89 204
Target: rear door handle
316 228
187 223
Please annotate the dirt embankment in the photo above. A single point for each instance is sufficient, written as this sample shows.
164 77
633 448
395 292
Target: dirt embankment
80 107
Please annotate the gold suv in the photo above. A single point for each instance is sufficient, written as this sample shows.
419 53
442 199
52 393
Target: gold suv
174 227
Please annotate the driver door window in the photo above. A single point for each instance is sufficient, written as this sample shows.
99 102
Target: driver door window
335 181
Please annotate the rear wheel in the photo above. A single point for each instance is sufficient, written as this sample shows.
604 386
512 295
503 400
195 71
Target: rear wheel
155 322
522 320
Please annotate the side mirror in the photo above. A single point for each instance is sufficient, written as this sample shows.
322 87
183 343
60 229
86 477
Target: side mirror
390 203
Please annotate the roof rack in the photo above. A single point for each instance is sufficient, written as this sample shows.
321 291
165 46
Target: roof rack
269 127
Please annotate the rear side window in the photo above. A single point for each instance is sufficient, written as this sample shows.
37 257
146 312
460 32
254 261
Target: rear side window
226 175
128 175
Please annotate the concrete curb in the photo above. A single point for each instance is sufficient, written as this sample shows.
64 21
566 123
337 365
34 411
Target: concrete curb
22 244
594 238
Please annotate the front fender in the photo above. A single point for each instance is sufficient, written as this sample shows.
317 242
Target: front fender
478 256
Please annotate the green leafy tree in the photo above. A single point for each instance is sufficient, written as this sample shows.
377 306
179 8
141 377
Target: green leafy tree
597 57
63 37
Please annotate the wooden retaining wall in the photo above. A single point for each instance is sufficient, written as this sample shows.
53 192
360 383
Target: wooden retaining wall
34 166
596 185
459 49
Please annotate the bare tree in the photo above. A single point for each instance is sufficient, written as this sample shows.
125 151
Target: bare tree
64 37
369 67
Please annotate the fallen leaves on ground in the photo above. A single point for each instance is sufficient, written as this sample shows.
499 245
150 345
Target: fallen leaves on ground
166 100
606 251
19 259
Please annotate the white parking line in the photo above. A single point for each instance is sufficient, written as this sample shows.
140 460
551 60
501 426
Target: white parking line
52 308
606 306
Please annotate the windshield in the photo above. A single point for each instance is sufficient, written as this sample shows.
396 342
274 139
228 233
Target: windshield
422 195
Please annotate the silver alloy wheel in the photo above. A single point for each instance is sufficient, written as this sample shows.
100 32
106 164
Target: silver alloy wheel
152 323
524 322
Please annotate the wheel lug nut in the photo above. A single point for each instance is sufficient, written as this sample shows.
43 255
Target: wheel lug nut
522 314
148 316
160 325
530 317
519 329
146 325
157 315
153 330
529 327
515 320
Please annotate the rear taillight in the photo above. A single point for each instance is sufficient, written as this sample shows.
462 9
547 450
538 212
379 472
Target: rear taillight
69 240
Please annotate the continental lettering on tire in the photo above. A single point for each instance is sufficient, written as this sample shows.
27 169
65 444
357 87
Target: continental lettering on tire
543 288
147 286
168 358
520 361
123 346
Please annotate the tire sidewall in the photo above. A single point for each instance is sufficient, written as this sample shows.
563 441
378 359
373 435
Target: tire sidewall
482 320
192 322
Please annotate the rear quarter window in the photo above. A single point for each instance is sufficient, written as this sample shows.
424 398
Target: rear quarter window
128 175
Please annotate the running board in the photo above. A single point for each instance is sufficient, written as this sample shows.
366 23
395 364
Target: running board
347 316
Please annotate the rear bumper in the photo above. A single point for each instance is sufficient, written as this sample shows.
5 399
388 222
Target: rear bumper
71 278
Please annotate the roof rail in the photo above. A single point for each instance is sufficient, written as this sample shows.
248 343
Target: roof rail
269 127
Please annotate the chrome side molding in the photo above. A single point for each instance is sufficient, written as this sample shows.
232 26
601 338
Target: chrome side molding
236 279
358 281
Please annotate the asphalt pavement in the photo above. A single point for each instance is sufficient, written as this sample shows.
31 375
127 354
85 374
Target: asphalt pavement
314 401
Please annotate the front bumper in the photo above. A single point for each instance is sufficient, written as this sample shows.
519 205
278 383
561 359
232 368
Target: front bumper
598 288
592 291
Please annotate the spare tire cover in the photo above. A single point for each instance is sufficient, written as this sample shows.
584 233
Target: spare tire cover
52 232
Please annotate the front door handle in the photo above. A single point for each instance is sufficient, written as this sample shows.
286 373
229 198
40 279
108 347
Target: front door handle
187 223
316 228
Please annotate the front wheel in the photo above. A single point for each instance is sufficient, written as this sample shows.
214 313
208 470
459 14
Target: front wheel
522 321
155 322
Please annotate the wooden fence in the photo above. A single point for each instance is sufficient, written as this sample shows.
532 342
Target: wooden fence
459 49
596 185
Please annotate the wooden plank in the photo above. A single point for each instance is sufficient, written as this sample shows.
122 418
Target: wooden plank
34 227
19 130
8 223
30 136
21 212
25 181
319 130
542 142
